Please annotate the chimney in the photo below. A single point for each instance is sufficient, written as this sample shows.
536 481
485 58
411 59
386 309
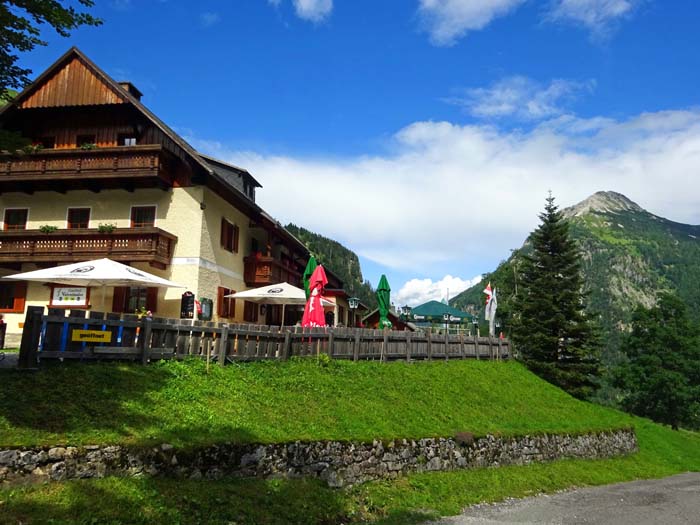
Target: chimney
132 90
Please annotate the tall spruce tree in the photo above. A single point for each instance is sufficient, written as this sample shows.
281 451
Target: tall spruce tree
550 329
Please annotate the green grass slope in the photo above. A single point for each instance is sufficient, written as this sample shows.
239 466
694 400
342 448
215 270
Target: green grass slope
179 403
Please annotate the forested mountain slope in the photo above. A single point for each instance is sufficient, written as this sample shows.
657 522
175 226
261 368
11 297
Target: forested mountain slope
629 256
341 261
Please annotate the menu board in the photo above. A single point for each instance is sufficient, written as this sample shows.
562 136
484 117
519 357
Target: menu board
71 297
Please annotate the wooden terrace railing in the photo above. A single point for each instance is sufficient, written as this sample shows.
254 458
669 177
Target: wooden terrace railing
52 336
76 163
262 271
151 245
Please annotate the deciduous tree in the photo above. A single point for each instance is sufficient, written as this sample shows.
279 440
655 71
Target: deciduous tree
661 379
21 30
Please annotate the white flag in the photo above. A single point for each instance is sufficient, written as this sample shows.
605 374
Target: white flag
490 313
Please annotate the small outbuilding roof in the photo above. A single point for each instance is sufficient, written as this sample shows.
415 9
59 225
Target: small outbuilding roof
435 311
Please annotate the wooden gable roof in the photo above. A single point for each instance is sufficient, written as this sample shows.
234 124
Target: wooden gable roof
70 82
75 66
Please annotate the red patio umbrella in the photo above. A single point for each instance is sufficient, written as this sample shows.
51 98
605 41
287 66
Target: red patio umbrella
313 312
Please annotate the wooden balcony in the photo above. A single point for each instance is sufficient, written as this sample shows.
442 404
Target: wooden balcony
261 271
47 168
151 245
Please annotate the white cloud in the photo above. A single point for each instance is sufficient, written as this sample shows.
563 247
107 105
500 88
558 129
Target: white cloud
313 10
594 14
208 19
521 97
448 20
418 291
455 199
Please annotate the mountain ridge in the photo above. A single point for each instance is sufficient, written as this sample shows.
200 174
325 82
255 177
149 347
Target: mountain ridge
629 256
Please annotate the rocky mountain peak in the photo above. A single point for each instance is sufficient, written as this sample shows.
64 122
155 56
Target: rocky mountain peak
602 202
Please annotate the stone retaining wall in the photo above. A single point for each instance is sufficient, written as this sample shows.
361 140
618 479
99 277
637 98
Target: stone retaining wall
338 463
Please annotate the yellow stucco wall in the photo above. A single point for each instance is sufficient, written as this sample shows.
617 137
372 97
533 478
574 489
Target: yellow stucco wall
192 214
178 211
224 268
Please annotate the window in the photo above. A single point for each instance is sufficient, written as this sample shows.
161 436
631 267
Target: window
128 299
78 218
250 312
83 140
16 218
229 236
143 216
225 306
12 296
45 142
126 139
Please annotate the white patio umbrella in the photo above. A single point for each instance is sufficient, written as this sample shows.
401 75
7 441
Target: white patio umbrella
282 293
100 272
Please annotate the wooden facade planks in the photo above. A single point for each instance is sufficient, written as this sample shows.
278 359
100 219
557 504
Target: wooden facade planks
73 85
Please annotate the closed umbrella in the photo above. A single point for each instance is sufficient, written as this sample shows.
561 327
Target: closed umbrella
384 302
308 272
313 313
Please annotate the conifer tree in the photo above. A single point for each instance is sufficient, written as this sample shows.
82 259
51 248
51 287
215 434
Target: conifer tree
552 334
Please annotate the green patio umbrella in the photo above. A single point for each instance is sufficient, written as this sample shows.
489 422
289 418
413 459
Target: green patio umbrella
384 301
308 272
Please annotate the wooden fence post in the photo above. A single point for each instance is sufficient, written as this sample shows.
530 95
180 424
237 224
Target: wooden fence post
476 346
145 339
447 344
30 338
285 348
408 347
356 346
385 344
223 345
331 336
430 345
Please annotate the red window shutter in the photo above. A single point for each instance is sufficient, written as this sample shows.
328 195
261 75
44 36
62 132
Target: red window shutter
221 302
152 299
20 296
119 299
235 239
224 222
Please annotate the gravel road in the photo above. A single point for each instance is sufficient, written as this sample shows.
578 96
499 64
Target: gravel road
668 501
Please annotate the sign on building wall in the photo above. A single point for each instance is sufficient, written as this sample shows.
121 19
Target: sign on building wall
71 297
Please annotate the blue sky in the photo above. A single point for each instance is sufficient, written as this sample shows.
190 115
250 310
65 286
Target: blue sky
423 134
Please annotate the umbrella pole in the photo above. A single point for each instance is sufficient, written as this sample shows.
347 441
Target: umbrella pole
282 323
